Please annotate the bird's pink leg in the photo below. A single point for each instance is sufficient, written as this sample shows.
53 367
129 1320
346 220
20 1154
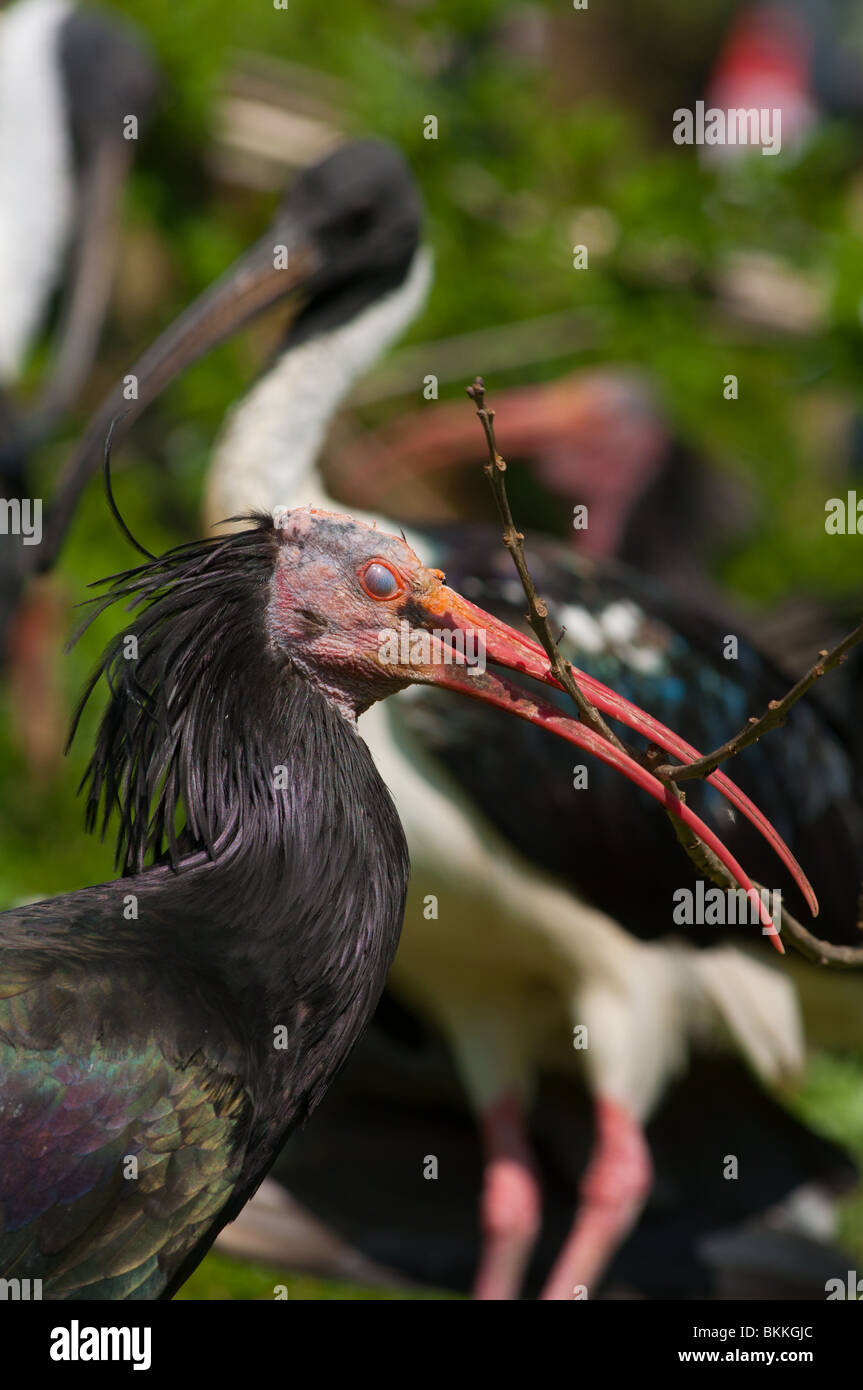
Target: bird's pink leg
510 1209
613 1191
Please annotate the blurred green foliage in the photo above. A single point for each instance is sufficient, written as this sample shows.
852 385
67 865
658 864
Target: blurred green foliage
220 1277
528 139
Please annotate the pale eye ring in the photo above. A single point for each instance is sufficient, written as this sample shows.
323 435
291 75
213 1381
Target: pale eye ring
380 580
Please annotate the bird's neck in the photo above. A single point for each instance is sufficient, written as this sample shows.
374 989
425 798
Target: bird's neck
268 452
303 912
287 936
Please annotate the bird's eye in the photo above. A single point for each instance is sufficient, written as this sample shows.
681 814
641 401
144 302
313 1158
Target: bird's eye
380 580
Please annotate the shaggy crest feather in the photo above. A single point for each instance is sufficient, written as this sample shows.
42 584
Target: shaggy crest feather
181 732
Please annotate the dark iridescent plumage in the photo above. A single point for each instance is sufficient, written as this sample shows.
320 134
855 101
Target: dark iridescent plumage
142 1019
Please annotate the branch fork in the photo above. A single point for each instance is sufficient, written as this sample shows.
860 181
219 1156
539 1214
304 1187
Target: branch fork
821 952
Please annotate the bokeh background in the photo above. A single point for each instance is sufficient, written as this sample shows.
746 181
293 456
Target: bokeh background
554 128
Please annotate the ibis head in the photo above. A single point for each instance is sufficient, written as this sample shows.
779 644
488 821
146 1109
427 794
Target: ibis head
317 599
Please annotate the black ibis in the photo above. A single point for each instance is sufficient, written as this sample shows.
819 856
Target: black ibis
161 1035
545 937
595 439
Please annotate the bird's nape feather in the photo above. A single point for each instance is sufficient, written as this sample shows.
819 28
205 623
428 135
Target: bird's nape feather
168 740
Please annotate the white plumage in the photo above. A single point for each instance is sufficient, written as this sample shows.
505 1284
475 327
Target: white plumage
37 195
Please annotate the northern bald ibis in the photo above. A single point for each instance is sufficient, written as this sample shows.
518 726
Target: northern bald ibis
548 914
161 1035
595 437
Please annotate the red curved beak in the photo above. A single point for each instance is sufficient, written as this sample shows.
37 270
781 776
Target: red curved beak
486 639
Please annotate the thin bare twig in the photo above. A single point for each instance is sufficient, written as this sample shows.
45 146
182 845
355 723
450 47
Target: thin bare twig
702 857
773 718
537 610
821 952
